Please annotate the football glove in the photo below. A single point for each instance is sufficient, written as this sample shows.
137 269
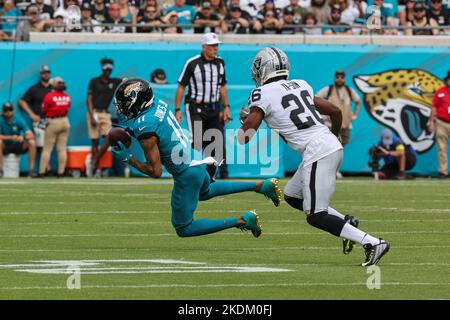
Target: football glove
243 115
122 152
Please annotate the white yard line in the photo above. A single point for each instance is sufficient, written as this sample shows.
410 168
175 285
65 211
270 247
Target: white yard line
234 285
222 234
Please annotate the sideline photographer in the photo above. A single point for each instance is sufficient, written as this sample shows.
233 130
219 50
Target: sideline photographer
397 157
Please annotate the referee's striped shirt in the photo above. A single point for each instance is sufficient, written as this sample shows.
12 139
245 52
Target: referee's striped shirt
203 79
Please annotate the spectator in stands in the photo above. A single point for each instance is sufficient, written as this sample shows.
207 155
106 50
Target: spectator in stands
158 76
271 25
16 137
236 23
207 21
65 5
186 13
87 23
128 12
9 13
100 94
219 8
255 25
152 3
389 8
321 10
115 20
421 23
32 24
385 18
252 7
407 14
350 12
298 11
151 21
55 107
46 10
58 25
342 29
99 11
287 23
439 121
438 13
172 19
311 21
269 5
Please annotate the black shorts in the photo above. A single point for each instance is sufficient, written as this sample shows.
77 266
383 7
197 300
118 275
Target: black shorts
208 115
14 147
392 169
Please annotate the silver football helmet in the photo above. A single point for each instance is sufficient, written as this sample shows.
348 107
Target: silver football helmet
269 63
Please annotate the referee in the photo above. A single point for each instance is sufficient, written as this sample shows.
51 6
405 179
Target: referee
204 75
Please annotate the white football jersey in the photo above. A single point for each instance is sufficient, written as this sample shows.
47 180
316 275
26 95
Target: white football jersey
289 109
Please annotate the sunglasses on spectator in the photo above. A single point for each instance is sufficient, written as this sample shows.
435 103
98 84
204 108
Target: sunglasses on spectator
339 77
436 1
8 110
419 9
150 11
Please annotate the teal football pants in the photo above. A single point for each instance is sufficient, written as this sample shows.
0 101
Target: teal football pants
193 185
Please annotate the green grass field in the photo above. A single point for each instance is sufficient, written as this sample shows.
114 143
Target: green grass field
118 232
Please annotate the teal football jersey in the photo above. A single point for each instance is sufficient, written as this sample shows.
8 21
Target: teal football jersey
174 146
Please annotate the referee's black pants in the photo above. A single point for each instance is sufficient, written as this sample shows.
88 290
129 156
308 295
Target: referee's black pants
209 117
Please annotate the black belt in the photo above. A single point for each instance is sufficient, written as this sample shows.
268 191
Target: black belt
212 105
56 117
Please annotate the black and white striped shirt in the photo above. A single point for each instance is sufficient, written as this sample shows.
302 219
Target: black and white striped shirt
203 78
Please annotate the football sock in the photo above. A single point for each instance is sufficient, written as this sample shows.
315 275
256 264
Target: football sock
335 213
354 234
205 226
220 188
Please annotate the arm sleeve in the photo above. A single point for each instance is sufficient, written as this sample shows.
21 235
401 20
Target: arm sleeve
223 77
257 99
28 96
91 86
322 93
355 96
185 74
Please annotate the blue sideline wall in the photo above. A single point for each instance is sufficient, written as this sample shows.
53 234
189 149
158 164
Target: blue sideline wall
77 63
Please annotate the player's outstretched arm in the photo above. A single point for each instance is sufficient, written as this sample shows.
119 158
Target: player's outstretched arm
152 166
327 108
250 125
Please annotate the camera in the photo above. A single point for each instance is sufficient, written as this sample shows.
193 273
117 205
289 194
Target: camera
375 155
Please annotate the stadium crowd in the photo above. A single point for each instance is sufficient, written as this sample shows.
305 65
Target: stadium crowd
329 17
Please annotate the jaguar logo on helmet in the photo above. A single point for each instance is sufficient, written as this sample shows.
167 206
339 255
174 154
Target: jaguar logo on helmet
132 97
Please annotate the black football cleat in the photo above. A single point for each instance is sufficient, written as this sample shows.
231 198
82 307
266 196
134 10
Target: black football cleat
348 244
375 252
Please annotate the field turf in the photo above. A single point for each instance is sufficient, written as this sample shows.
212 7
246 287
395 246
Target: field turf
118 233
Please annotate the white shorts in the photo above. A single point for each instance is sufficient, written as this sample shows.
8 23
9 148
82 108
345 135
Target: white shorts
315 183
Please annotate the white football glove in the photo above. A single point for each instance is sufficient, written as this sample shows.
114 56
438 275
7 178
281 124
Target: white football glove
243 115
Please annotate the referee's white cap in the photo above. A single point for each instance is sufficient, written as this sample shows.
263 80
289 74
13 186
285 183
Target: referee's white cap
210 38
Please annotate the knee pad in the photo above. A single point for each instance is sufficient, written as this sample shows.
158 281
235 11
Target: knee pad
182 232
327 222
294 202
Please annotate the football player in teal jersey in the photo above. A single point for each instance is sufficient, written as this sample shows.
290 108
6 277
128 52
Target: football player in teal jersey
152 123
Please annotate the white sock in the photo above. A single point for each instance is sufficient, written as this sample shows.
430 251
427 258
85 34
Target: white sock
354 234
336 213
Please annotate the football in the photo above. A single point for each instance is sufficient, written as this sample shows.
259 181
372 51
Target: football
119 134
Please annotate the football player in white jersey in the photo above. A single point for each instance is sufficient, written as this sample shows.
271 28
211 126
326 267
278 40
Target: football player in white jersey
289 107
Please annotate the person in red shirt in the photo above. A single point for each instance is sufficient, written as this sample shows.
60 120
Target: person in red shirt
55 106
441 110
